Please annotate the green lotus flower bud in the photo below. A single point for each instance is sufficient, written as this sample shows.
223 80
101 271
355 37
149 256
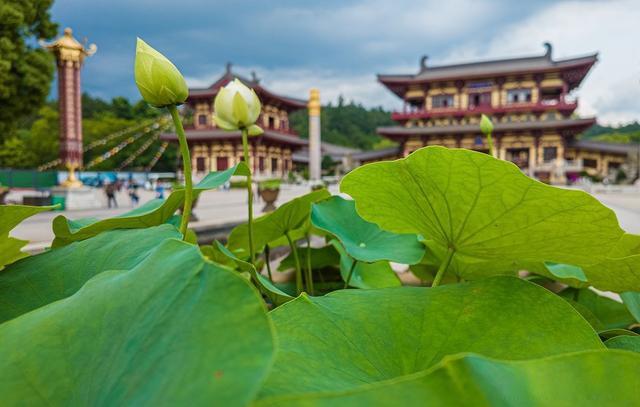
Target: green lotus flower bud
158 80
486 127
237 107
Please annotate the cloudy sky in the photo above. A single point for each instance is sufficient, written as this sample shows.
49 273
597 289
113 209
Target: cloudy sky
340 45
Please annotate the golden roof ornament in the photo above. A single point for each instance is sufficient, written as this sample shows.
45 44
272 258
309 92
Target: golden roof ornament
314 102
67 48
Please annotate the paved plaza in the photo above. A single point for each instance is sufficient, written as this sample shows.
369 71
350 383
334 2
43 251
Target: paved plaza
213 208
224 207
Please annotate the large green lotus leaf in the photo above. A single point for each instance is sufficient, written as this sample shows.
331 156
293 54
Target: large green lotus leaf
566 271
353 337
610 274
593 378
632 301
153 213
51 276
364 241
624 342
485 210
322 257
628 245
273 293
268 228
213 253
366 275
174 330
623 262
611 313
10 217
615 274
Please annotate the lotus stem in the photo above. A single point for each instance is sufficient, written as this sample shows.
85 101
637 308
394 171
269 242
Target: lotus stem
186 164
298 268
443 267
267 259
490 144
353 267
245 151
309 274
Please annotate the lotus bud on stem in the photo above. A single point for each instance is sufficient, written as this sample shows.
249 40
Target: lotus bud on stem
237 108
162 85
486 127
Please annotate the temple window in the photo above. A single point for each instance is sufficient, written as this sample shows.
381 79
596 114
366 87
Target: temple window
550 96
222 163
202 119
272 122
261 164
479 99
439 101
200 164
274 164
589 163
519 95
549 154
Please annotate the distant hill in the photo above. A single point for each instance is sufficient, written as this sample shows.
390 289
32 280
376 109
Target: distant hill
350 125
622 134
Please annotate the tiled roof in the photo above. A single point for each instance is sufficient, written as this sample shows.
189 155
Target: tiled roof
494 68
211 91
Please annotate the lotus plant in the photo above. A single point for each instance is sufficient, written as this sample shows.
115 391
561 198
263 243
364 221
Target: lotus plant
237 108
486 127
162 85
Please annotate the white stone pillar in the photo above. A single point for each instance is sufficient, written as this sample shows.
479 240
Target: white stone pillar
315 153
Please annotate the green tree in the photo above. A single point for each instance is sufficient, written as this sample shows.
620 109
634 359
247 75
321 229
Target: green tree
43 139
350 125
26 71
15 154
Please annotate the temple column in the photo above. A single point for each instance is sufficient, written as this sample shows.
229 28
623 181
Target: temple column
533 154
315 173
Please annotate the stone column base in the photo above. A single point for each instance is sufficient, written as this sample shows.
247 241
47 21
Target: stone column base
79 198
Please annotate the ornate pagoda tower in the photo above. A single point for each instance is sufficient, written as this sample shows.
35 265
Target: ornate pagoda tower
70 55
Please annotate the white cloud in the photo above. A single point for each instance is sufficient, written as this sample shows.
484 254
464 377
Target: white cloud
296 82
391 32
612 89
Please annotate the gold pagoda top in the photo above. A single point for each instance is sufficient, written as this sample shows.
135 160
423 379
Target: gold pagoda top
314 102
67 48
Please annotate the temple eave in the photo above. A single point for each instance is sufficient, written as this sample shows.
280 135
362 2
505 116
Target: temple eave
217 135
573 125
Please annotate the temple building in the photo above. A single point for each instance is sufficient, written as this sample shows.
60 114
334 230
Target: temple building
529 100
214 149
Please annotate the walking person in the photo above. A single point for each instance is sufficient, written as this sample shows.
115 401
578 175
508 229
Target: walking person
110 191
133 193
